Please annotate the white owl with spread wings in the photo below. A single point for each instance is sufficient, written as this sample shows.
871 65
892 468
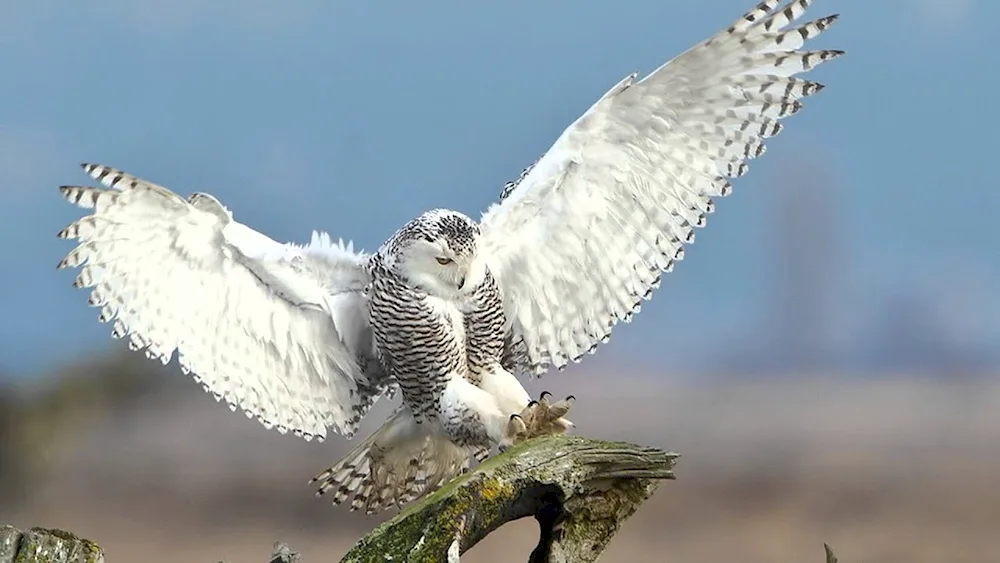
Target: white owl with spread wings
448 311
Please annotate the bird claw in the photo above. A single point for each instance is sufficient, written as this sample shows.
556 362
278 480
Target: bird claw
542 417
559 409
538 418
515 432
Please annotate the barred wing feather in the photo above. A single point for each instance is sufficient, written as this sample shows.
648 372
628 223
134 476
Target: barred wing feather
582 237
278 330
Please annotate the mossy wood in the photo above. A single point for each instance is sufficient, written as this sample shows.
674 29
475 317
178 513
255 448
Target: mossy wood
579 490
40 545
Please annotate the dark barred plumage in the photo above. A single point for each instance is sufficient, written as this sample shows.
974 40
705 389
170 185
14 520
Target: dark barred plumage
484 328
417 347
513 184
458 230
420 350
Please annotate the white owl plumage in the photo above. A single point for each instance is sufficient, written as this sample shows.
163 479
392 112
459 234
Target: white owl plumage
284 332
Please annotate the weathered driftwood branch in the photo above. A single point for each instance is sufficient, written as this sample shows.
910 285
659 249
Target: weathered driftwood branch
19 547
39 545
579 490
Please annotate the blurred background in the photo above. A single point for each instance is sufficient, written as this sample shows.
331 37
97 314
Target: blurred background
826 358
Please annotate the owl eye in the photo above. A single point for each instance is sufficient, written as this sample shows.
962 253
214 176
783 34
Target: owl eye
444 260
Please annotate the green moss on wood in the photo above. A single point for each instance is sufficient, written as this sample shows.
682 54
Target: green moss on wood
594 478
598 484
41 545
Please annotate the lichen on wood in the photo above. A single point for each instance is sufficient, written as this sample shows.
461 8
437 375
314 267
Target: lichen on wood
579 490
41 545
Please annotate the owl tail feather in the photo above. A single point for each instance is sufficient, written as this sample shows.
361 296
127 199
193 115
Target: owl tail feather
398 463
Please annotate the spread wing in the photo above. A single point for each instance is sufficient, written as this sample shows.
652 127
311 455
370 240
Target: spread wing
278 330
582 237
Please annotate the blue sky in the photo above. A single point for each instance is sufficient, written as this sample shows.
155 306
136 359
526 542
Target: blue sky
354 118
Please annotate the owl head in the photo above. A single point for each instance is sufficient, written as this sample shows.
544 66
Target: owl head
437 252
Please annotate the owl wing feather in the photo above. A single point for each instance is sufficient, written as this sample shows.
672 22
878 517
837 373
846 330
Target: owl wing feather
278 330
581 239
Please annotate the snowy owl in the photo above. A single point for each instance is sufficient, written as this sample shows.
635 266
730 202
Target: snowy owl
449 311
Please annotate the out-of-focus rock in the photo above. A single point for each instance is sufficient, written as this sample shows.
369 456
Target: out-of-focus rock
40 545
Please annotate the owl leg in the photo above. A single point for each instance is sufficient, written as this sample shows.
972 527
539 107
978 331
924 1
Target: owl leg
473 418
544 418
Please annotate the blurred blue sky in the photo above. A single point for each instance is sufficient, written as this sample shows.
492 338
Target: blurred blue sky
354 118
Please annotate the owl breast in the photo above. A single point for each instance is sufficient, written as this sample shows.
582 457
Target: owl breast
420 340
484 328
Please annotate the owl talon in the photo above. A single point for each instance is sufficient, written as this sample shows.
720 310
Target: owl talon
531 414
543 398
514 432
560 408
543 418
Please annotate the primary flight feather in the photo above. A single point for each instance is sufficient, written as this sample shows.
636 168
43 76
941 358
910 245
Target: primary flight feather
448 310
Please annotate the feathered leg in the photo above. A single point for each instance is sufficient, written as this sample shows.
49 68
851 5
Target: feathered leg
475 418
539 417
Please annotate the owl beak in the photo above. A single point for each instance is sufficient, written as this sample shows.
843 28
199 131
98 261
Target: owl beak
461 283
